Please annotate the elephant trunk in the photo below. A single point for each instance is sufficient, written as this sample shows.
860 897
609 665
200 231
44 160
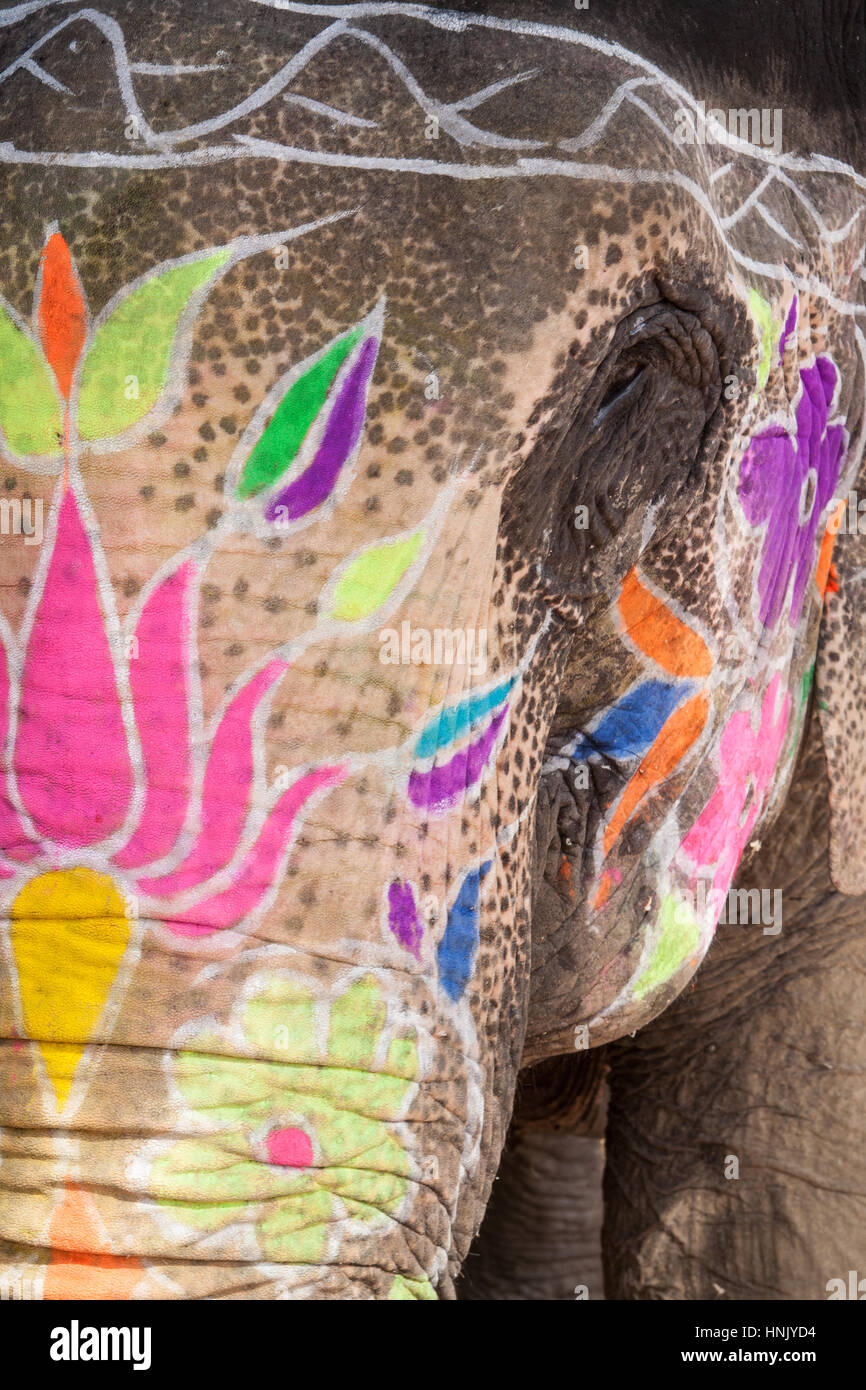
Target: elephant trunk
313 1145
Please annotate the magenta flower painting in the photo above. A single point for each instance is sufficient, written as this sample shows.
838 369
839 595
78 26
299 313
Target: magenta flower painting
786 483
747 761
86 775
120 806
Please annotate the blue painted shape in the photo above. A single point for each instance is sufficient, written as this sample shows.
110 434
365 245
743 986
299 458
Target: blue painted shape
459 945
450 724
628 728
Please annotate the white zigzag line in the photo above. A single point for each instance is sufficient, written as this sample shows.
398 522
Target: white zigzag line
464 132
457 23
460 129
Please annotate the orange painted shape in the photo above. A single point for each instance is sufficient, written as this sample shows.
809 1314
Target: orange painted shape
659 634
603 893
826 570
81 1263
673 741
565 874
62 313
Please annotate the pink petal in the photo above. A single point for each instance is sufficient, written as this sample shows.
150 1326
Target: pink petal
13 838
71 757
258 871
289 1148
721 832
225 793
158 676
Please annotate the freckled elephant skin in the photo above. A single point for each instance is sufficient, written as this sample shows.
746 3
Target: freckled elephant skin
419 442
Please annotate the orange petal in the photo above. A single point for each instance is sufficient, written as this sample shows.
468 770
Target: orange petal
825 554
62 312
81 1265
674 739
604 888
653 628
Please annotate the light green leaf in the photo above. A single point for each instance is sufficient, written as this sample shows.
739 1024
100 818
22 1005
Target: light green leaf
126 369
228 1088
768 331
296 1231
679 939
403 1057
213 1182
370 579
29 407
366 1092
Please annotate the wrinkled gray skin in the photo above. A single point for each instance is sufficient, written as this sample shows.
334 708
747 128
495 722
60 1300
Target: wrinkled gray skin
764 1059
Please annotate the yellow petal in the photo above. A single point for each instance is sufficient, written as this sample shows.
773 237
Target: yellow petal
69 933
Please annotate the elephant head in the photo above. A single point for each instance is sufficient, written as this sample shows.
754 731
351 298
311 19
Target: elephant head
437 435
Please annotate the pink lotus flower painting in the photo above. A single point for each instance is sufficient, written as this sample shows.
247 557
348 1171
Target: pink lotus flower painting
119 809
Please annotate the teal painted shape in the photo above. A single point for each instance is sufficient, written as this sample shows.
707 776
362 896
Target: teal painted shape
450 724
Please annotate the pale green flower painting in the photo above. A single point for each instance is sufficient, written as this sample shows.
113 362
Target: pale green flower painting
303 1130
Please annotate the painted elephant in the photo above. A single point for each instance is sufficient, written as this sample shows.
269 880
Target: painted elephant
425 432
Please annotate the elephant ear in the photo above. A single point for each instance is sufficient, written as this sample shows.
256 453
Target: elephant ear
841 698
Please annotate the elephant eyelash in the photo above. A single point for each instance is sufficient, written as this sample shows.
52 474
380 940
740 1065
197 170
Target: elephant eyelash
617 393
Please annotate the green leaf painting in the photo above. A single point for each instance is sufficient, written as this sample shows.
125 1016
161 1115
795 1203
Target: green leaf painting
126 369
679 938
29 405
768 330
370 579
281 440
299 1137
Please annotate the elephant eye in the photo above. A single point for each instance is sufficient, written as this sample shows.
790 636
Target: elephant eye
649 404
625 454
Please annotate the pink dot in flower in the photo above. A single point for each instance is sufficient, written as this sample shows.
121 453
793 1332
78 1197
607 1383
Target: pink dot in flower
291 1148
